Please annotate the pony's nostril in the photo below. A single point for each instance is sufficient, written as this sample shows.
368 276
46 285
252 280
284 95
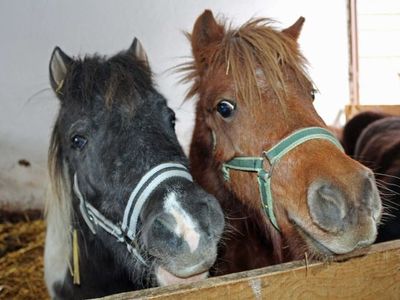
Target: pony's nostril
370 197
164 223
367 191
214 218
327 206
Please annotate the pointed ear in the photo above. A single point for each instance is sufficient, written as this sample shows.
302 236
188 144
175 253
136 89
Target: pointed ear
136 49
294 30
59 65
206 31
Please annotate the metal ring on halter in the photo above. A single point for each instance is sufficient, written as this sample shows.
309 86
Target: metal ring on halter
271 164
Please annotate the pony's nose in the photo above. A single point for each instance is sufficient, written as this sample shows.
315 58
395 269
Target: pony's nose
177 229
327 206
332 211
164 223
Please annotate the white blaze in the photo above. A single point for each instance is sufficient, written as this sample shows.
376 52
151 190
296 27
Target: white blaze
185 226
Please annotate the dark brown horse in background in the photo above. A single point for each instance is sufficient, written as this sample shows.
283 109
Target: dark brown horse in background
253 91
373 138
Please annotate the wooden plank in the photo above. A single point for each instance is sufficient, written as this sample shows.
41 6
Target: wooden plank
351 110
372 273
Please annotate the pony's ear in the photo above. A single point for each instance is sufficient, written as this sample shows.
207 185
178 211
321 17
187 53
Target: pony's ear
136 49
294 30
59 65
206 31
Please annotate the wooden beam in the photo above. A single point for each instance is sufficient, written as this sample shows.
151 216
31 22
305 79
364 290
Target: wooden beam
353 50
372 273
351 110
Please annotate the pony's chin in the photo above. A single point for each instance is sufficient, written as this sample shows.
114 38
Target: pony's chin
322 249
318 249
314 246
166 278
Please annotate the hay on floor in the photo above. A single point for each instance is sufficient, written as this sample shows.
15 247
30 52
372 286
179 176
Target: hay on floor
21 260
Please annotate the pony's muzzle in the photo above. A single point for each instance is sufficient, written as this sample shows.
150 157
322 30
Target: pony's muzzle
183 250
334 210
183 238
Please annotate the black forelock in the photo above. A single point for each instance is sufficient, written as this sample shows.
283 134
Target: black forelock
120 78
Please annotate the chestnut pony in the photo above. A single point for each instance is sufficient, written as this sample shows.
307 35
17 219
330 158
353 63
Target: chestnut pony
259 146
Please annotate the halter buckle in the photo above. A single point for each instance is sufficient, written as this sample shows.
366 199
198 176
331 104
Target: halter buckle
271 164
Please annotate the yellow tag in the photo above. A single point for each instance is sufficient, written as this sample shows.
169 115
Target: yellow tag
75 258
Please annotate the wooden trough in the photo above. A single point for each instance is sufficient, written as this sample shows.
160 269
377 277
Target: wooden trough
372 273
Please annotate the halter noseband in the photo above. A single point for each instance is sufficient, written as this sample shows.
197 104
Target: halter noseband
273 155
125 232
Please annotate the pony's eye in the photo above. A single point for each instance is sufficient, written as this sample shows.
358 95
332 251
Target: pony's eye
78 142
226 108
313 92
172 120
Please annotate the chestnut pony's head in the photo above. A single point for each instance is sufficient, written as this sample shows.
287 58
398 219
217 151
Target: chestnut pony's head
253 92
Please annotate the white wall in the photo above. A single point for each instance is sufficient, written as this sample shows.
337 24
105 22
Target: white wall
379 49
29 30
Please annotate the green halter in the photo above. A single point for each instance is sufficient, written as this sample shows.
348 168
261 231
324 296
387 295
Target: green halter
255 164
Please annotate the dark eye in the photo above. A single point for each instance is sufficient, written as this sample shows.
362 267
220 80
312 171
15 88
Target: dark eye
78 142
226 108
313 92
172 120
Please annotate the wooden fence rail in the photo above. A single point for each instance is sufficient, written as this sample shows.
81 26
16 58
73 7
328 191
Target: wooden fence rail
372 273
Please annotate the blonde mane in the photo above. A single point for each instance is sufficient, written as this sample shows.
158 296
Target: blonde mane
58 204
254 47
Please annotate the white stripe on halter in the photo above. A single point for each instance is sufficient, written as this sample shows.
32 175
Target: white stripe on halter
147 184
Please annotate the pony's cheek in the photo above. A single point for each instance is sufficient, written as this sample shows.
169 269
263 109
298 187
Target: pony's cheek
287 190
221 156
221 144
245 187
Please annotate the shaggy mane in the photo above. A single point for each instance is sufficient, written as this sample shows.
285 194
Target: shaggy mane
120 78
58 204
256 45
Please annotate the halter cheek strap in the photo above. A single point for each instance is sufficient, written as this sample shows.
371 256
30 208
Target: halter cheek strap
256 164
125 232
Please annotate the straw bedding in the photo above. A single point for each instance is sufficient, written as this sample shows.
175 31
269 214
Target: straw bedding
21 256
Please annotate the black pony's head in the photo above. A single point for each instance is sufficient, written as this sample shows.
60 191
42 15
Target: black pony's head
112 128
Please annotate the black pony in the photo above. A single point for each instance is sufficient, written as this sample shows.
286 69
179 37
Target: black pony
373 138
124 213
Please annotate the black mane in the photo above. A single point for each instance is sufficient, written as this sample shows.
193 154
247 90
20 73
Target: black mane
119 78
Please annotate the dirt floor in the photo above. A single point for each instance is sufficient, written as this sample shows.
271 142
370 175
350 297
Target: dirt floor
21 256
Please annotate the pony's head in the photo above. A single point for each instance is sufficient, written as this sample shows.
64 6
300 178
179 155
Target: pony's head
253 92
114 153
